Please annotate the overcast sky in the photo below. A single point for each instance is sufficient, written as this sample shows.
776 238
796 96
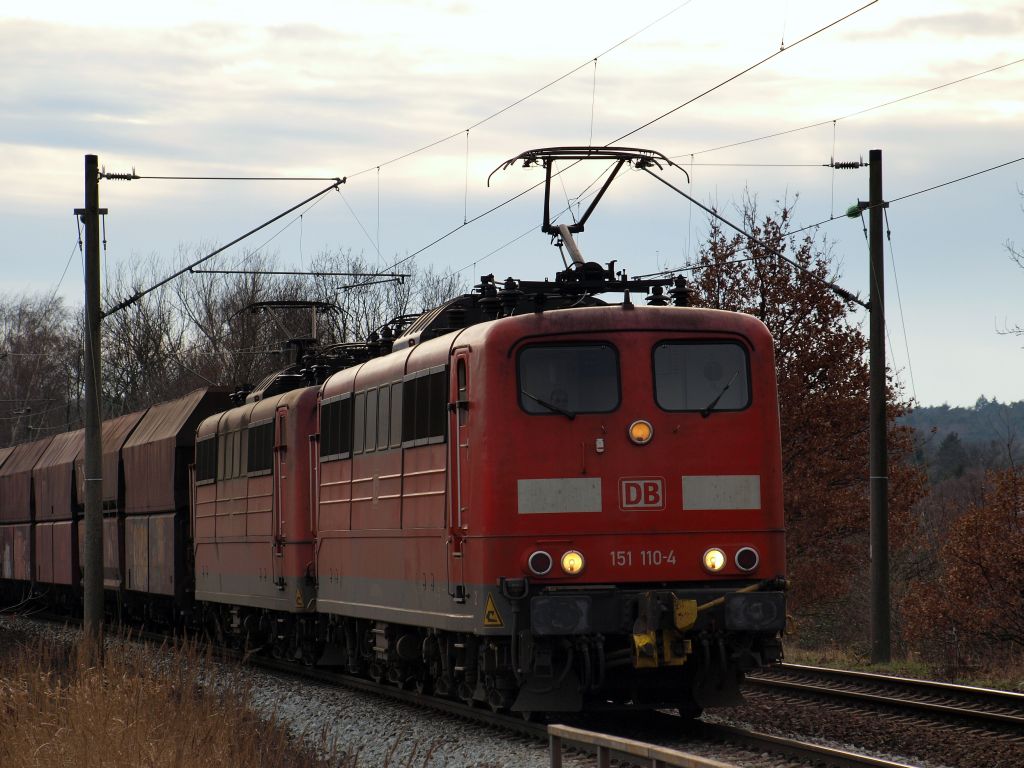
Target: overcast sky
344 88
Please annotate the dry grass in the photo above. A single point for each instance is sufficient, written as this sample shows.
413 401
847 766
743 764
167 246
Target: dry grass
138 707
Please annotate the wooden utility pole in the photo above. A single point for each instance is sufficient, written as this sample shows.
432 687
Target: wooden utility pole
879 456
93 565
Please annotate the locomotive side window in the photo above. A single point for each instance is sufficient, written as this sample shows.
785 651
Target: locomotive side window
396 414
336 428
206 460
370 443
437 405
383 414
261 448
569 379
424 403
358 422
701 376
229 465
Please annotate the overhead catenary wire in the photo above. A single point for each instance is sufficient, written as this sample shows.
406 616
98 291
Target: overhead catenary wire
849 115
914 194
835 288
339 180
133 176
899 304
743 72
140 294
528 96
626 135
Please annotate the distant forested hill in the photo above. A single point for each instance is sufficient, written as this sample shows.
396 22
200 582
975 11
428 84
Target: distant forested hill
988 435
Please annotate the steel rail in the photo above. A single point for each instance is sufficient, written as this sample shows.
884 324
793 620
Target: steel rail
982 704
815 754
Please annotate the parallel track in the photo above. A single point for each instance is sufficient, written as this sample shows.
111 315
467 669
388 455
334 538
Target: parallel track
984 706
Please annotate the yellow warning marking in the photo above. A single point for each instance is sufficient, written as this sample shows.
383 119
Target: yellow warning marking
491 616
298 598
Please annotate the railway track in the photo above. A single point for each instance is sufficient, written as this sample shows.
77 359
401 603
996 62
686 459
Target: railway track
704 744
984 706
935 723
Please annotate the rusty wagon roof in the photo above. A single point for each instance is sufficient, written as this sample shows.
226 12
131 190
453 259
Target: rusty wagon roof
4 453
115 432
53 476
155 471
16 481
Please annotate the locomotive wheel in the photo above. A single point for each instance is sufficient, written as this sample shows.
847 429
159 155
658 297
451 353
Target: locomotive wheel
422 684
689 711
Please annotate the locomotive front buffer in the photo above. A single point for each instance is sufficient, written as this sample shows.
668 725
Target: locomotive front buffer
633 647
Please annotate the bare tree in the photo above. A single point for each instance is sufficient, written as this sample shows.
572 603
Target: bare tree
205 328
39 368
142 344
1017 256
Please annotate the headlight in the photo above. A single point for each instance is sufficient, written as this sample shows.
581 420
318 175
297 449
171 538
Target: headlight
747 558
641 432
714 559
539 563
572 562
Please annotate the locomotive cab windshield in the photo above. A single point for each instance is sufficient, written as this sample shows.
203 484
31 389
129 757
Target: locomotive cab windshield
701 376
569 379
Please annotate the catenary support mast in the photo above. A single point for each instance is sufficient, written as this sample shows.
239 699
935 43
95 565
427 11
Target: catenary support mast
93 565
879 458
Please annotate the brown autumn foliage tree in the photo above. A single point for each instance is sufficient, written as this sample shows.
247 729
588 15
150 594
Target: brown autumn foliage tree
823 383
972 606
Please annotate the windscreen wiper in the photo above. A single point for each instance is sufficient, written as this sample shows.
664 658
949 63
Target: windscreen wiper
711 406
550 406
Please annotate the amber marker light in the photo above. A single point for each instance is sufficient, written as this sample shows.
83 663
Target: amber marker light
714 559
641 432
572 562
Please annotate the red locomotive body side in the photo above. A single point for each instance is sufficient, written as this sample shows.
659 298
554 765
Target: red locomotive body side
252 512
381 548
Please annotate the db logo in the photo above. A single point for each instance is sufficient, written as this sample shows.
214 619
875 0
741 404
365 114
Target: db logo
642 493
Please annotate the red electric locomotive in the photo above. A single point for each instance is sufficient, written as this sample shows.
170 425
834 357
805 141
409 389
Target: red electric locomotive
557 509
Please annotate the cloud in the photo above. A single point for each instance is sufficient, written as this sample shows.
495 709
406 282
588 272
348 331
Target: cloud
1005 22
